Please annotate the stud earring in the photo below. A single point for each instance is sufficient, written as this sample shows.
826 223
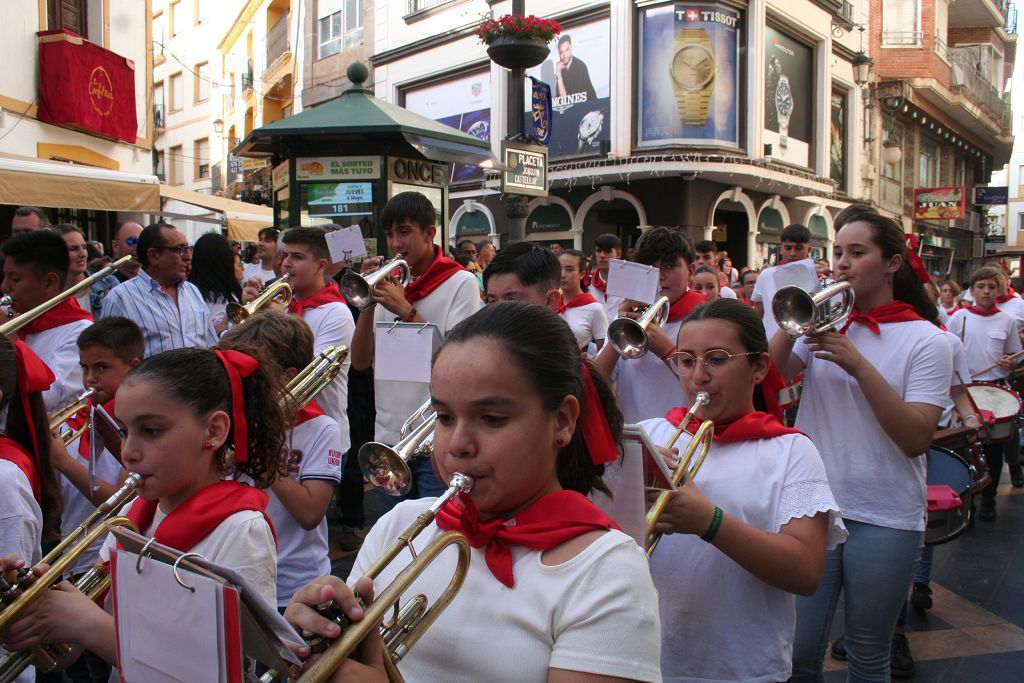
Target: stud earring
207 446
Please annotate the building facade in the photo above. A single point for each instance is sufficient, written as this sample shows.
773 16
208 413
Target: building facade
82 152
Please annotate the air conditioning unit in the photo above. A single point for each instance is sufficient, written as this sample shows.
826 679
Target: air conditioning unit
978 247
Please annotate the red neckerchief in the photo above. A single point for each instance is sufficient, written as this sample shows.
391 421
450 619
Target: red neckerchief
1006 297
973 308
547 523
308 412
14 452
755 425
599 282
82 418
433 277
67 311
328 295
578 300
771 385
684 304
895 312
194 520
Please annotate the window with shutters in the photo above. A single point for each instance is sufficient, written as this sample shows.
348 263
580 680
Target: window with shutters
177 92
68 14
159 34
177 166
201 93
202 155
901 23
340 25
928 167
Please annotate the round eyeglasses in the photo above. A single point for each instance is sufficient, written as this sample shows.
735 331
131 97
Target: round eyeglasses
714 360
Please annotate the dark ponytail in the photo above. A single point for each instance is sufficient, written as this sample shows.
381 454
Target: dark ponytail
887 234
197 378
17 429
540 342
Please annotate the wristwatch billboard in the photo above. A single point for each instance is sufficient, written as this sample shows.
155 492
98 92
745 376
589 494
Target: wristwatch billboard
590 128
784 108
693 68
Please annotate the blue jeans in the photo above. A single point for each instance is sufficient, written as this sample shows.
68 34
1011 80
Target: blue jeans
873 569
425 484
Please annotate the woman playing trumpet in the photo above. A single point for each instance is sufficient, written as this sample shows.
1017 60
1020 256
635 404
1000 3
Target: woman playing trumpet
554 592
754 531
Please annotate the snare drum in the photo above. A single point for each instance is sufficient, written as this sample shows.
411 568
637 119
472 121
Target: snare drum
1003 403
948 468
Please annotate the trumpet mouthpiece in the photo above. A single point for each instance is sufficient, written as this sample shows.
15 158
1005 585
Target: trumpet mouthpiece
702 398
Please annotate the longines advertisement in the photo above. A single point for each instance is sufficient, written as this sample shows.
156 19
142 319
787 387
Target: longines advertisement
789 107
578 72
463 103
690 74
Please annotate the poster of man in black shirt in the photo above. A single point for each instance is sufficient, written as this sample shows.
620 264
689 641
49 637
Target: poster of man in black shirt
573 78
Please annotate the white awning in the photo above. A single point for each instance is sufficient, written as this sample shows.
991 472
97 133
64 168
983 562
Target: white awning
62 185
243 220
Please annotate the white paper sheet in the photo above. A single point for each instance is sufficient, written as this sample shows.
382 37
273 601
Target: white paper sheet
404 351
798 273
346 244
633 281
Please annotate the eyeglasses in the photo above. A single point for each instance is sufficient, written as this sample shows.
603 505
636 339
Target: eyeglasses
182 249
714 360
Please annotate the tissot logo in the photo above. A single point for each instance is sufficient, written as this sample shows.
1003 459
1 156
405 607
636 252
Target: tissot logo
707 16
101 91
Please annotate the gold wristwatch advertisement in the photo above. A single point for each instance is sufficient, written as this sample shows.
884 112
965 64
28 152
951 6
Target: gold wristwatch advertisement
690 72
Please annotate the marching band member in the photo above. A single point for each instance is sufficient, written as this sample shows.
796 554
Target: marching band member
647 386
35 268
756 525
312 457
579 309
551 579
990 338
440 292
192 417
606 247
872 397
316 300
523 271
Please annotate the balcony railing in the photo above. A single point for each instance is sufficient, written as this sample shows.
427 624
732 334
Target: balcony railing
277 40
941 48
247 80
902 38
158 115
968 80
413 6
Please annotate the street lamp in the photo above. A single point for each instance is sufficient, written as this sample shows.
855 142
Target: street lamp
218 126
861 68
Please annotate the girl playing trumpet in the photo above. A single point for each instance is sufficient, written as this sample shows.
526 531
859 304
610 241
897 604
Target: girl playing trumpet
551 581
192 419
755 529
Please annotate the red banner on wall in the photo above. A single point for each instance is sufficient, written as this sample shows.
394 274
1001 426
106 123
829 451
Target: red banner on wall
85 86
940 203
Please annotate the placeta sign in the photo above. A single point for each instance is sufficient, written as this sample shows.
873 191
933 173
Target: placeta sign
985 195
529 164
940 203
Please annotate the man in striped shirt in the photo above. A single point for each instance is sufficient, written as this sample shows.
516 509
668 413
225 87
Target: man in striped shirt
169 309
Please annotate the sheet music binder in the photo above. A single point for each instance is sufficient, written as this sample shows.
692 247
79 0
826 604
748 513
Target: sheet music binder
264 631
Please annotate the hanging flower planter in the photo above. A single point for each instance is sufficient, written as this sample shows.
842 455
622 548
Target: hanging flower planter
518 42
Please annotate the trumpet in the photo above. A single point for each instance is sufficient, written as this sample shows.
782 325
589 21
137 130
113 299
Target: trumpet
799 312
68 411
408 623
702 441
30 315
358 289
16 597
629 336
279 290
314 377
387 467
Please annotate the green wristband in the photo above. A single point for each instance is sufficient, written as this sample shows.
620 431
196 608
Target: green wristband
716 522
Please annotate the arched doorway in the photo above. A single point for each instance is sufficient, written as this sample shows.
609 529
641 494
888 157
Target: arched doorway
610 211
731 219
550 222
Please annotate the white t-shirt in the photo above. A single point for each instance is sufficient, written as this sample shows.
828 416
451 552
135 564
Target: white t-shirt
312 451
705 596
872 479
332 325
58 348
646 386
610 303
242 542
800 273
77 507
588 323
21 519
961 375
453 301
251 270
986 339
1014 307
596 613
727 293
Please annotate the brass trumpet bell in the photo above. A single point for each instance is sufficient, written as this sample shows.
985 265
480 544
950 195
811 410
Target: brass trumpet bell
799 312
629 337
387 467
68 411
278 290
358 289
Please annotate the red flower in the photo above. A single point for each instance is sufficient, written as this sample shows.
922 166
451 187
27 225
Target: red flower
530 27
